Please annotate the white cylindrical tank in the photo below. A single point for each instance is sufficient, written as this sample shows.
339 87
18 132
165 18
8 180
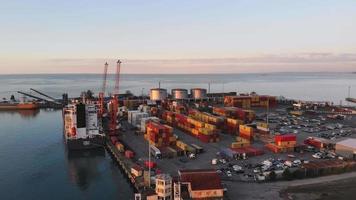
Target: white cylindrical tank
198 93
179 93
157 94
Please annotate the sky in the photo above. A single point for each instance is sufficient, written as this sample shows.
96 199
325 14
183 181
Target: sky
185 36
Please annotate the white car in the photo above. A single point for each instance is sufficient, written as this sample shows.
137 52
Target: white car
228 173
236 168
317 155
222 161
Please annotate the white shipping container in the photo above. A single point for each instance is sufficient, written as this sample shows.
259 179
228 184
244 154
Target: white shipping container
129 115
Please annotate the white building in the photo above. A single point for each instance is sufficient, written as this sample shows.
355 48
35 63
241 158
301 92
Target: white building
164 186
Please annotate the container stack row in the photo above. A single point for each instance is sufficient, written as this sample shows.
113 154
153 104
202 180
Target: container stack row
159 135
203 131
246 132
121 148
283 143
250 101
134 117
206 117
262 128
240 143
247 116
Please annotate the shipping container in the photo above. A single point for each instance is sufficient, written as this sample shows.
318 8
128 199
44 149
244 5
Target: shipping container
120 147
129 154
285 138
136 171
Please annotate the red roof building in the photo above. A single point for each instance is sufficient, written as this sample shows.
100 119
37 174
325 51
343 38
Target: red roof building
202 183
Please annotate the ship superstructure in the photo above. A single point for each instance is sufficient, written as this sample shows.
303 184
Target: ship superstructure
81 129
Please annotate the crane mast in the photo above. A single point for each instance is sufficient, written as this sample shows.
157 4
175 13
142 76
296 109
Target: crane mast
115 99
102 93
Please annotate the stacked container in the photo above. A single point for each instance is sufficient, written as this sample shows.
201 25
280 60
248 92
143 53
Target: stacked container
203 131
283 143
248 151
262 128
144 122
159 135
232 126
251 101
240 143
238 101
206 117
286 141
134 117
235 113
246 132
266 101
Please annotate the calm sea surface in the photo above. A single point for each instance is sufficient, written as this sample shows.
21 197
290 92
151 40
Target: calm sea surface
34 163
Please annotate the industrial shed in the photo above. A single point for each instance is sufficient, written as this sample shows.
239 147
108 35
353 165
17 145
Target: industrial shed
346 148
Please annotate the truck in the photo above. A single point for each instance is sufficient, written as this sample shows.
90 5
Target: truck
155 152
197 148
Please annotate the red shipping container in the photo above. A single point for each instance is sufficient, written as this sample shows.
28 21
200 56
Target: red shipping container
315 143
151 164
129 154
285 138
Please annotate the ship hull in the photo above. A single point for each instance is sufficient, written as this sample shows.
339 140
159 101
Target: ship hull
29 106
88 143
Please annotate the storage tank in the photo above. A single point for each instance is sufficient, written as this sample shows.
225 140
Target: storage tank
198 93
157 94
179 93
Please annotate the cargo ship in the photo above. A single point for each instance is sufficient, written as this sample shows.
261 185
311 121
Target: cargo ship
81 129
6 105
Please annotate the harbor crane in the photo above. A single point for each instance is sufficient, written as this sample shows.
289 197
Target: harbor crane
102 93
114 101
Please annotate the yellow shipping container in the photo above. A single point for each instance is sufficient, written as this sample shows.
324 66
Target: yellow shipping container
262 124
239 145
195 131
242 140
210 126
245 129
206 131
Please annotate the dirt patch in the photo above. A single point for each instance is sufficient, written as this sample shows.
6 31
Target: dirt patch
341 190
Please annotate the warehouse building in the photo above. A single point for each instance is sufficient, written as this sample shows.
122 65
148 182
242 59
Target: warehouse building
201 184
346 148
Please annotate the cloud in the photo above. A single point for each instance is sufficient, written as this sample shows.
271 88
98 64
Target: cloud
301 62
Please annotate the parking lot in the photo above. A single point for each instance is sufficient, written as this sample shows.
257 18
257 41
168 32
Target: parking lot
241 172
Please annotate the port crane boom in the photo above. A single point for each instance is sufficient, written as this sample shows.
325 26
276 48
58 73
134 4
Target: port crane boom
33 96
45 95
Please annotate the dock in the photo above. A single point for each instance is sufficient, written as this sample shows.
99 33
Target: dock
125 165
